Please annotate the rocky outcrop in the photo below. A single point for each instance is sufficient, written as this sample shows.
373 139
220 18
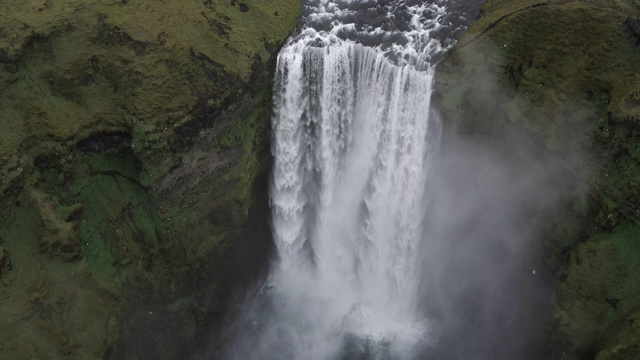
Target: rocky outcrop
131 135
634 27
5 262
567 73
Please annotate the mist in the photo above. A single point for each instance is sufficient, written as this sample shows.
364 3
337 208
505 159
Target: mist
494 195
485 285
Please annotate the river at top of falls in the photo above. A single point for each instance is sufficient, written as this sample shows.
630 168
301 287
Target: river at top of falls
353 142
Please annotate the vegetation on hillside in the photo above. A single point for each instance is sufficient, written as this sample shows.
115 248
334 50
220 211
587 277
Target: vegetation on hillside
131 134
568 72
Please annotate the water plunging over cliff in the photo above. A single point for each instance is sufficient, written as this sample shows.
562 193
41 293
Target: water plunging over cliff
385 250
352 147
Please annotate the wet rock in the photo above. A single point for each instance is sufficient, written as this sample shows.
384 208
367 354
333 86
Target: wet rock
634 27
5 262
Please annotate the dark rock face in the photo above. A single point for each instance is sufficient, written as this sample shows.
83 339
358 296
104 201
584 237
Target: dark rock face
5 262
634 27
561 72
131 136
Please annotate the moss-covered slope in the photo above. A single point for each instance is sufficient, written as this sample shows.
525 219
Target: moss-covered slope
569 73
131 134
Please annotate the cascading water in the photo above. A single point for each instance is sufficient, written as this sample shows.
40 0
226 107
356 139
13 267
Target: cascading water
352 146
351 160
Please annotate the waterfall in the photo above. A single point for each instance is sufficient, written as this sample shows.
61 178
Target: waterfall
352 146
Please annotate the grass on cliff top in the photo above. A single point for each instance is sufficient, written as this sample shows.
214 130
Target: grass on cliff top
494 11
559 69
228 32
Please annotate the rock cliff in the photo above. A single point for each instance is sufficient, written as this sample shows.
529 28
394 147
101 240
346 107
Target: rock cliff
131 136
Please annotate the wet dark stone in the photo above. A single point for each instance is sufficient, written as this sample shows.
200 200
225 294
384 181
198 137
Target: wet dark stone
140 47
634 27
4 56
87 80
106 142
5 262
244 7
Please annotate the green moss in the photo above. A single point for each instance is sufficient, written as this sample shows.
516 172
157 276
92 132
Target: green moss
248 135
87 220
123 164
601 288
223 207
96 239
115 210
44 289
